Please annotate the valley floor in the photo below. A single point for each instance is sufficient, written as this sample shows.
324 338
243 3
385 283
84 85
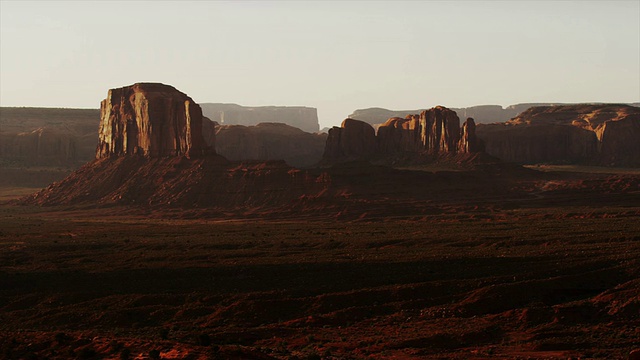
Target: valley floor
550 281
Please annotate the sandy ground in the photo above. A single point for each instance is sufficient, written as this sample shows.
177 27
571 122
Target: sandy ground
544 282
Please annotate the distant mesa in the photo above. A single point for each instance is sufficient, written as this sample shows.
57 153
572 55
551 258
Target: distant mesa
150 119
482 114
353 140
270 141
434 132
43 137
604 134
301 117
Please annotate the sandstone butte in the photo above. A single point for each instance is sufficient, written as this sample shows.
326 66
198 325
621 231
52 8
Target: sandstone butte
150 119
434 131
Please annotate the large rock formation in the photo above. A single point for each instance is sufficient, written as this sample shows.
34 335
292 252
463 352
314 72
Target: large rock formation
353 140
400 135
302 117
584 134
150 119
482 114
469 142
434 132
270 141
538 143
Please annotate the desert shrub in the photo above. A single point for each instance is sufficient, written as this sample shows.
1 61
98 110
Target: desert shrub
204 340
154 354
86 353
115 346
125 354
61 338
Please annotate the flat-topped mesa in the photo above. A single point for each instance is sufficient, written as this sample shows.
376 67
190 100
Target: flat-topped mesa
150 119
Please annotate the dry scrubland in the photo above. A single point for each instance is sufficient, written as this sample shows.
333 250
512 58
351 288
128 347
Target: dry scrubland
475 282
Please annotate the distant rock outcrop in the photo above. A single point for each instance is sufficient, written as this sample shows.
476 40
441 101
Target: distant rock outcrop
47 137
353 140
270 141
469 142
482 114
434 132
150 119
43 146
400 135
302 117
585 134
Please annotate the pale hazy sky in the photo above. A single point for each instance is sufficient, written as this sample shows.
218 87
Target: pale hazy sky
336 56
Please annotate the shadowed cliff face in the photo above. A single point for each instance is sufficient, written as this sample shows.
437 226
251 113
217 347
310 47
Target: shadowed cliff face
150 119
353 140
589 134
270 141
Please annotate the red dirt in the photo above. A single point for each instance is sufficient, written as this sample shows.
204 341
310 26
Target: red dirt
355 262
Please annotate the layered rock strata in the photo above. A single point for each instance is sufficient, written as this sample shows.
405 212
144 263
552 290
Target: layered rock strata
150 119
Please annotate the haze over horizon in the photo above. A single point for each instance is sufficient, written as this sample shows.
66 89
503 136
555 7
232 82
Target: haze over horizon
335 56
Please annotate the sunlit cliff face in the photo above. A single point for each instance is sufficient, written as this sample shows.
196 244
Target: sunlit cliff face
149 119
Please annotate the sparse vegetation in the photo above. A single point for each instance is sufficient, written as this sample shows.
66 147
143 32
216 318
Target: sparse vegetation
154 354
204 340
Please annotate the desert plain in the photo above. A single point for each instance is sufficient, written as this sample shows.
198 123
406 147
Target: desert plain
550 275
